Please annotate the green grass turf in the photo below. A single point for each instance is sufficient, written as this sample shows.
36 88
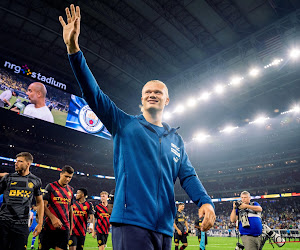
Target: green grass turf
214 243
59 116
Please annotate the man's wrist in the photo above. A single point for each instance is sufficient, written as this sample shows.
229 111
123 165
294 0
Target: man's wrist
72 49
52 217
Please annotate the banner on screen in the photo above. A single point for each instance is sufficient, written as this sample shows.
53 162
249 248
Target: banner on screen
82 118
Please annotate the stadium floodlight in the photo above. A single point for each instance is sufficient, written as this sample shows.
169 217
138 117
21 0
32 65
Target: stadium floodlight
192 102
219 89
205 96
179 109
254 72
236 80
294 53
276 61
201 137
296 109
167 115
228 129
260 120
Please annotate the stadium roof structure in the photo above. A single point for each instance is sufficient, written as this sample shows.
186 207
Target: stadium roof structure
191 45
130 42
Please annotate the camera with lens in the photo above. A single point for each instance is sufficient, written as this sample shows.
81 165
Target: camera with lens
239 246
111 197
237 204
111 201
243 215
244 218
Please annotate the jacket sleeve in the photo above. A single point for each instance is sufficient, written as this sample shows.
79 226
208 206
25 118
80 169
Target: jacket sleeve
106 110
190 182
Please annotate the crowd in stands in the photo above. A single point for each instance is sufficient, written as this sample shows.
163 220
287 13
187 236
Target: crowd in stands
273 177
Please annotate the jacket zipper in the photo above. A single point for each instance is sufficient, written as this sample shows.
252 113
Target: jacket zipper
158 183
125 189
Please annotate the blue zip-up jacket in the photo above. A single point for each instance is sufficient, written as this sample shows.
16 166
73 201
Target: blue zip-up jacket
146 166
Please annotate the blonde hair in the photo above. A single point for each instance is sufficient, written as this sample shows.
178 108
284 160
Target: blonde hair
245 192
104 192
158 81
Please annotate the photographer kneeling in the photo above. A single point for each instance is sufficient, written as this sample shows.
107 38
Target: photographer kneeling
249 216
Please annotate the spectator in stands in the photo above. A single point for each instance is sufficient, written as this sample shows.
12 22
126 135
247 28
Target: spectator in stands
6 96
250 225
37 95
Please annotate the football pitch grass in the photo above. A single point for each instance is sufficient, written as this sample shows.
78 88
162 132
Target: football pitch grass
214 243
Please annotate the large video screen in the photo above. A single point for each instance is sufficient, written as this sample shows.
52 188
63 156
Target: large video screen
40 96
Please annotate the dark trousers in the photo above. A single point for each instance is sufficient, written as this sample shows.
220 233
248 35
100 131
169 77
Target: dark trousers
13 236
129 237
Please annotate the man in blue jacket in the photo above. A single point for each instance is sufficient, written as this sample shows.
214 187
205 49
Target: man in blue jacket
148 158
248 215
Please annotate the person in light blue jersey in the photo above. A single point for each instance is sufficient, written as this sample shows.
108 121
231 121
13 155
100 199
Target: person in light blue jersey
33 222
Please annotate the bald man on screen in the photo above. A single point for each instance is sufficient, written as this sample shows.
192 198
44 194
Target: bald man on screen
37 95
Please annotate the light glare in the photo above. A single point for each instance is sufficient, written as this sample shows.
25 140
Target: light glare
205 96
228 129
254 72
192 102
296 109
167 115
236 80
276 61
294 53
201 137
260 120
179 109
219 89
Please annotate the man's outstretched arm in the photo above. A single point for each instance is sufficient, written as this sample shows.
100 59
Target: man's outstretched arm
100 103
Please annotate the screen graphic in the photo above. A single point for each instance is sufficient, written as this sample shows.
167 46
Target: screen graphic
82 118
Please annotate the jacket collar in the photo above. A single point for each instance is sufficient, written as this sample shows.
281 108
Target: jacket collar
168 130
